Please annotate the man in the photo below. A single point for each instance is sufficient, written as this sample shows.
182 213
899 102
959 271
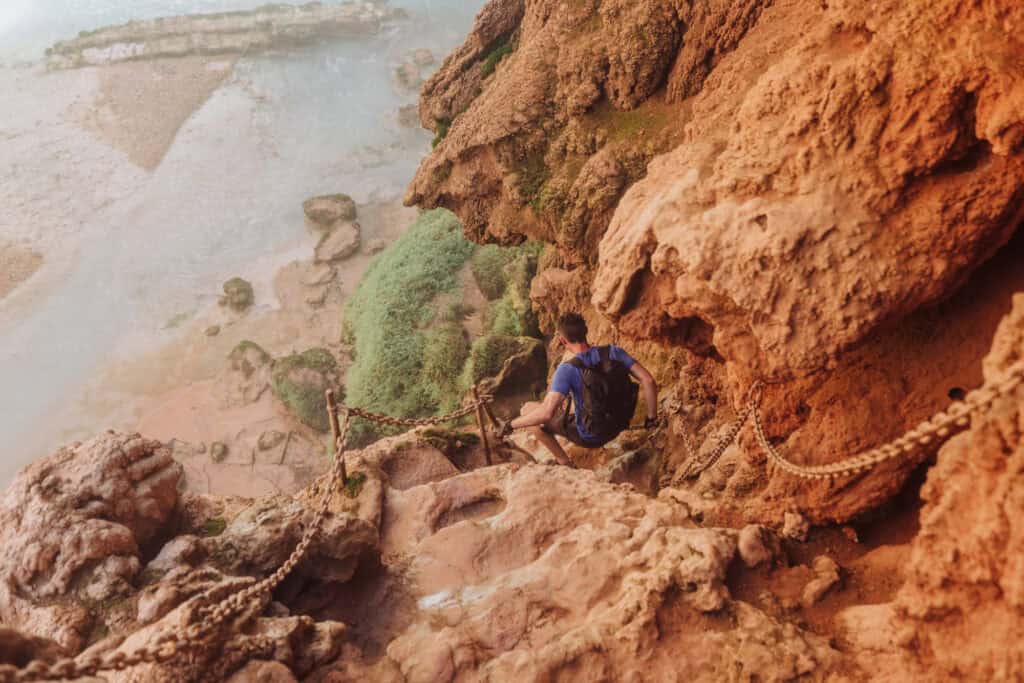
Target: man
603 395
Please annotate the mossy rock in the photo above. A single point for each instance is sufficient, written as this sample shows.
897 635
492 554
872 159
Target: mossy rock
408 352
326 210
238 294
490 352
247 357
301 380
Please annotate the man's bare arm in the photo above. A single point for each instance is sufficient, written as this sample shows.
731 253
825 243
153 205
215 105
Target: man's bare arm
650 388
542 414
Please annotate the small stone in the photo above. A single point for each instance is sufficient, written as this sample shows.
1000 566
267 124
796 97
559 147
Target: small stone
270 439
753 545
795 527
218 451
376 246
321 275
423 57
340 243
212 331
324 211
238 294
826 575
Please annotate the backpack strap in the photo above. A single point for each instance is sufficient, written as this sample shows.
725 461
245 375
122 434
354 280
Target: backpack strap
605 354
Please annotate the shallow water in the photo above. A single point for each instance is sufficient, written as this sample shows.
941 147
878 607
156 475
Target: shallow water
152 247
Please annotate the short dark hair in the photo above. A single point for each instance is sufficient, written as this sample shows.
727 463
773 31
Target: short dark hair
573 327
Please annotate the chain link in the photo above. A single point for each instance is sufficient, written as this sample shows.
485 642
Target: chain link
936 429
697 467
422 422
211 618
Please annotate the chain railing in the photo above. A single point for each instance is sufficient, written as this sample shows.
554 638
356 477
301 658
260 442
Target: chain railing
934 430
210 621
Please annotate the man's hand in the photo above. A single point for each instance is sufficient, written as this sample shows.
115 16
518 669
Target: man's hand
651 423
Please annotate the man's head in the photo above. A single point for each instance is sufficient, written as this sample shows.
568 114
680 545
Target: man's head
572 328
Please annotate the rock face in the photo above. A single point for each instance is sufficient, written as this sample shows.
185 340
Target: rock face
496 573
226 33
962 605
763 184
74 525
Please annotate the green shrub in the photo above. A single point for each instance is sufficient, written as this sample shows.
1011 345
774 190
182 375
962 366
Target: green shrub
441 132
385 321
499 50
487 355
303 392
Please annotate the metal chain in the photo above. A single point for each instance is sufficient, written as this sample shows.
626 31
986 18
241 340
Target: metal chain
723 445
210 618
938 428
423 422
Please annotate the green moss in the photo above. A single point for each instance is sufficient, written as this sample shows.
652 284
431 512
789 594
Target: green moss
488 354
445 350
498 52
239 352
354 485
488 267
627 125
214 527
533 173
399 366
297 390
441 131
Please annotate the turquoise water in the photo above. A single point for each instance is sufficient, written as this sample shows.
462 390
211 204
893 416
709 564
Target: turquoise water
228 193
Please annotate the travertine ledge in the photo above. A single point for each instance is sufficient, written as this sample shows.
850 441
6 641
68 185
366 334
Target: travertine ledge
225 33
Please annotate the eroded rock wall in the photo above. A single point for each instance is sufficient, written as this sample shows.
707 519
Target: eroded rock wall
793 189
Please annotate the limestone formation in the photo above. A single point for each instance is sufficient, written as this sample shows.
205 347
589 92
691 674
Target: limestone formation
797 191
272 26
72 531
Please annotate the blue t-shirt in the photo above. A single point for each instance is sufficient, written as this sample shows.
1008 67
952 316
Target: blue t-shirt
568 380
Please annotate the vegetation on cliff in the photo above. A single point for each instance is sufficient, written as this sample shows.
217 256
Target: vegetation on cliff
406 321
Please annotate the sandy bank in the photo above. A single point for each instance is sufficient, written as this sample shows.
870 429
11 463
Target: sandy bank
139 107
17 264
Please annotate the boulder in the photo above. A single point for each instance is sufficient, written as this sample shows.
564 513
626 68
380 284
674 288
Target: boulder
238 295
72 529
324 211
300 382
341 242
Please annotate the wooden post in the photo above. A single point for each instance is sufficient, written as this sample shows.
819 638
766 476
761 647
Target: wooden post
339 448
480 423
490 417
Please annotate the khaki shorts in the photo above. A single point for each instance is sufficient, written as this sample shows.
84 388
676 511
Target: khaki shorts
564 424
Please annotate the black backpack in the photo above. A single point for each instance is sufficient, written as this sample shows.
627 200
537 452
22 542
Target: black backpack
609 396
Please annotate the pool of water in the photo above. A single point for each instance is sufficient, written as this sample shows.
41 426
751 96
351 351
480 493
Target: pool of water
229 192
